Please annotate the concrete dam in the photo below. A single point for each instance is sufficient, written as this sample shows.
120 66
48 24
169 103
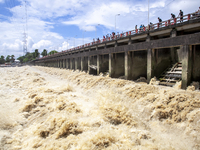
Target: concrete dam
168 50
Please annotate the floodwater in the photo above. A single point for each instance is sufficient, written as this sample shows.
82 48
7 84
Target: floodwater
57 109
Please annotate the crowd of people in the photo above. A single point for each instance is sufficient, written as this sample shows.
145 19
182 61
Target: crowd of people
150 27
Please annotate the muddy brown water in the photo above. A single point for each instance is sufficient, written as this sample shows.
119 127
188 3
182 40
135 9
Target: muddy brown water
50 108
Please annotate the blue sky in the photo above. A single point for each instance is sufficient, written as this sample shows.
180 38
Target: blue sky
61 24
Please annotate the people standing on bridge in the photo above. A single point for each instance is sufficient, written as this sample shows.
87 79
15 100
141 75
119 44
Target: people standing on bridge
141 27
160 21
151 25
173 16
198 12
181 15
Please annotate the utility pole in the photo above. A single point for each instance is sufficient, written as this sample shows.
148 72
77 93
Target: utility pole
148 12
25 43
96 32
115 24
74 40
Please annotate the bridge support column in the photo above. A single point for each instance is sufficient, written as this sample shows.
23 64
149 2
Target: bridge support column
150 63
127 66
71 63
98 64
89 69
186 65
111 65
66 63
173 49
79 63
61 64
76 63
82 61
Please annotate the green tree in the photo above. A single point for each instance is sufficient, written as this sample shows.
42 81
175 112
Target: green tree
12 58
36 54
44 53
2 59
52 52
21 58
8 58
29 56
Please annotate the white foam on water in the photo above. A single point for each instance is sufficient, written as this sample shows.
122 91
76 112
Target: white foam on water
51 108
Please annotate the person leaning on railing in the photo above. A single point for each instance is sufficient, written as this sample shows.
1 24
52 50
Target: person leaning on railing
173 16
160 21
198 12
181 15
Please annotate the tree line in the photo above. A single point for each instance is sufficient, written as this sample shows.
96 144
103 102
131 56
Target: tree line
27 57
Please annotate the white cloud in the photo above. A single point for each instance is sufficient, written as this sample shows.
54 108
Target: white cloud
46 15
16 46
42 44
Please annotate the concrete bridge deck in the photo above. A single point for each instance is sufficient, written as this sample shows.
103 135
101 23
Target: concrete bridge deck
143 54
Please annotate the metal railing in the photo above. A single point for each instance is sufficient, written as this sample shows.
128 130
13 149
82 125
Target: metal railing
150 27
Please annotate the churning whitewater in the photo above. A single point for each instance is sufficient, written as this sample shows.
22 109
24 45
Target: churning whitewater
56 109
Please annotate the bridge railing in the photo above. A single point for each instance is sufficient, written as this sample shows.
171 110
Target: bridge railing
150 27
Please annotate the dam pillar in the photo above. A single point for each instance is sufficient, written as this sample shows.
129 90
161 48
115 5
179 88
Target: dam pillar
66 63
173 49
150 64
79 63
98 64
82 61
89 64
111 65
127 66
63 63
76 63
71 62
186 65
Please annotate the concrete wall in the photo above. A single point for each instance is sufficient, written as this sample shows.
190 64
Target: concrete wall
68 63
84 63
78 63
138 64
162 61
196 63
116 65
103 63
73 63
